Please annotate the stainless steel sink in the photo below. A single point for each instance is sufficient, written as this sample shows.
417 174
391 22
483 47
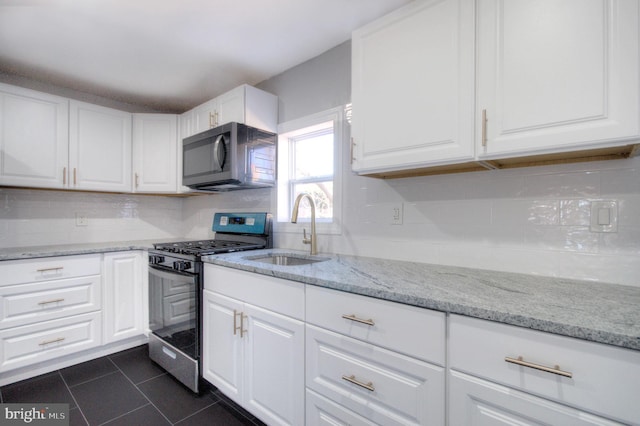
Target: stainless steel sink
286 259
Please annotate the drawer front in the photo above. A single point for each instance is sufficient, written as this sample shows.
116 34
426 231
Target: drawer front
324 412
22 346
278 295
380 385
478 402
49 268
605 379
402 328
30 303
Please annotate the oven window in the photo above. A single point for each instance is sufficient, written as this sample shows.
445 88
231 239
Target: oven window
173 313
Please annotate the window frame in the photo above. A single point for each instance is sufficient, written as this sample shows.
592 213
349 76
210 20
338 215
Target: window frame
288 131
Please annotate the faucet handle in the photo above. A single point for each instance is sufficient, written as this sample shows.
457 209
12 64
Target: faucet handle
305 239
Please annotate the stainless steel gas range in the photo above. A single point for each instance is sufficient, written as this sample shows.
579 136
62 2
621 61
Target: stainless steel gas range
175 290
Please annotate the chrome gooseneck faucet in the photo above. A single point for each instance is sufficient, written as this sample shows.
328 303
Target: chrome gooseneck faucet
294 219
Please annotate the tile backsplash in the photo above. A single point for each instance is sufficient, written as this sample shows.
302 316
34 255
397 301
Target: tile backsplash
534 220
34 217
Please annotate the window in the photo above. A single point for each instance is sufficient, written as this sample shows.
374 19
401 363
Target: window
309 161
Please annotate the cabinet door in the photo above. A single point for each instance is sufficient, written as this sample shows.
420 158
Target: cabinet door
556 75
155 149
221 344
123 296
473 401
274 367
231 107
412 94
204 117
99 148
34 138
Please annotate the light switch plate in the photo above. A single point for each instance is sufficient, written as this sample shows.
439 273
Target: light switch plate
604 216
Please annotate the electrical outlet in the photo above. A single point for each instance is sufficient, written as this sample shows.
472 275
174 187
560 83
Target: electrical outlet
396 214
604 216
81 219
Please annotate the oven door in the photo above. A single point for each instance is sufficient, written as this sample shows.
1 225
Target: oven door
174 318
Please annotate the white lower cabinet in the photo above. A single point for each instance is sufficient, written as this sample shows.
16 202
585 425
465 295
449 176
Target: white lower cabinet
383 386
324 412
49 308
475 401
30 344
123 295
253 354
501 374
371 361
61 310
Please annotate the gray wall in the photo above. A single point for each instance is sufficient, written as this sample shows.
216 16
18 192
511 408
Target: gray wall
319 84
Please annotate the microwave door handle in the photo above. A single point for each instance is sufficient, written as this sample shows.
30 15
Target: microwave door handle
219 160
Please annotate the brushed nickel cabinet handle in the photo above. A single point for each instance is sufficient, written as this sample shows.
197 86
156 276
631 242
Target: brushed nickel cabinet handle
75 176
48 342
352 379
242 329
351 152
554 370
137 180
64 176
211 125
235 322
360 320
484 128
55 268
48 302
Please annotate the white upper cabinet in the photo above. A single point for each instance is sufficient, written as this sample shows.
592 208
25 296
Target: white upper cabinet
412 93
441 85
99 148
155 149
556 75
244 104
34 132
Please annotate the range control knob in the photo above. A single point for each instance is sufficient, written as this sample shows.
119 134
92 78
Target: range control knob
155 260
181 265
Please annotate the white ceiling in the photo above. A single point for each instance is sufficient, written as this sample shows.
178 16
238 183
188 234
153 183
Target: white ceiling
171 55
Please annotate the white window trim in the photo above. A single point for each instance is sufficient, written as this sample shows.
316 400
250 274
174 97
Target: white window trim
337 116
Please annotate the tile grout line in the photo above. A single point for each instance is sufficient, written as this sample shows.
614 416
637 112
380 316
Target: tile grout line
124 414
74 398
138 389
193 414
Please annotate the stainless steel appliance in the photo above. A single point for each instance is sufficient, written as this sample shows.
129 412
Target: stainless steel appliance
229 157
175 290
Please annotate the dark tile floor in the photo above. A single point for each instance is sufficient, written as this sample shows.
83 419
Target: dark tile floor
127 389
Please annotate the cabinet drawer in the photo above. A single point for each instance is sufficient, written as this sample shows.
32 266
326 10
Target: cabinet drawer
21 346
28 303
402 328
479 402
383 386
605 379
49 268
324 412
278 295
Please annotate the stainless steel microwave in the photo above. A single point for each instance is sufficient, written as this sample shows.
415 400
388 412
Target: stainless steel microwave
229 157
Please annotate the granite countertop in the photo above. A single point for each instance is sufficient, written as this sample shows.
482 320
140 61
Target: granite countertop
16 253
598 312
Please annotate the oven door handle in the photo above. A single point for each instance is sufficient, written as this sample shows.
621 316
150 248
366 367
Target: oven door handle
161 273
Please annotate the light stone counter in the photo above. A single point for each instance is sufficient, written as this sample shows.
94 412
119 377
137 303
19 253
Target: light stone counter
605 313
17 253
